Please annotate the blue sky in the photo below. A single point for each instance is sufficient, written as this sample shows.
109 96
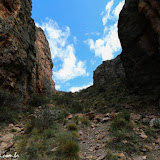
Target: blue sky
81 34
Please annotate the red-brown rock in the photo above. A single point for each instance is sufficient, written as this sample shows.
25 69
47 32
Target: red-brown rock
25 58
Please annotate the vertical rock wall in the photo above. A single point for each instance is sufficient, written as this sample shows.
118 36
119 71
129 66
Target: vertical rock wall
139 33
25 58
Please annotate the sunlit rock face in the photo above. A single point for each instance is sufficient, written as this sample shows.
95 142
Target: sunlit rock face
139 33
25 58
108 71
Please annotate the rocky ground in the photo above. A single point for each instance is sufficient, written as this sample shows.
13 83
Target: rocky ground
94 133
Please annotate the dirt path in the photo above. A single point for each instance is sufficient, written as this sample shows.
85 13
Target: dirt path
93 140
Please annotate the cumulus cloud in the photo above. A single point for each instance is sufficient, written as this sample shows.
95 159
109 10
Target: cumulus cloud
107 12
109 43
77 89
63 51
57 87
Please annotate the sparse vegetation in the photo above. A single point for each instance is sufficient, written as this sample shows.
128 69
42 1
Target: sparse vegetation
10 107
68 147
38 100
123 135
85 121
72 127
111 156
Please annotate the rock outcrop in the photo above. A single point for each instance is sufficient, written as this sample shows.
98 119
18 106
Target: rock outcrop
108 70
25 58
139 33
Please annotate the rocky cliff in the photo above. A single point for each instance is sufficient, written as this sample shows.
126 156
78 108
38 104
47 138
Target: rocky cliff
139 33
25 58
108 70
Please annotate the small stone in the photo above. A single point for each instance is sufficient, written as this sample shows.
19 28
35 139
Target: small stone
90 115
143 136
10 126
144 157
135 117
100 137
80 132
17 129
9 145
113 115
105 119
54 149
107 115
120 155
95 121
145 120
89 157
102 156
143 149
93 125
155 122
70 116
157 147
158 141
124 141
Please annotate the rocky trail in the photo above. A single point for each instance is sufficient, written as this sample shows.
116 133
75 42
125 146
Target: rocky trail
93 137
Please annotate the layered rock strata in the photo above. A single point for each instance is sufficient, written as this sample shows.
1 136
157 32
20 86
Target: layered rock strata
25 58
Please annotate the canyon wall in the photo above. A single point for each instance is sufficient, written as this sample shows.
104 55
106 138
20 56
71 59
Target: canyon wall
109 70
139 33
25 58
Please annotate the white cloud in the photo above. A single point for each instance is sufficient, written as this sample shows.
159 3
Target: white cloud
63 51
109 42
77 89
107 11
57 87
117 10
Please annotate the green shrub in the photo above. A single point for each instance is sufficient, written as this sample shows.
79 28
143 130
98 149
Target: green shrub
68 147
10 106
76 119
85 121
76 107
111 156
75 134
122 121
38 100
72 127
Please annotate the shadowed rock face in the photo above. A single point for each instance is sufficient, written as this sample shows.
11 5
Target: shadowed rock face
139 33
25 58
108 70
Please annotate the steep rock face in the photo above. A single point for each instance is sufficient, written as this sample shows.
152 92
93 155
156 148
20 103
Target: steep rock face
139 33
43 68
108 70
24 51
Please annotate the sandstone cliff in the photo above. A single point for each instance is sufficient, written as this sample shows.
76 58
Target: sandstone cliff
139 33
25 58
108 70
